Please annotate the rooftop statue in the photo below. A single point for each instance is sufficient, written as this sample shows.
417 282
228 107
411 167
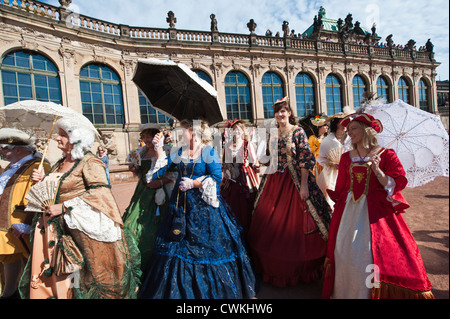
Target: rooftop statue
171 19
251 25
429 46
213 23
285 28
322 12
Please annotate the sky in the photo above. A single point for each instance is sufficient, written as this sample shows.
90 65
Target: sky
405 19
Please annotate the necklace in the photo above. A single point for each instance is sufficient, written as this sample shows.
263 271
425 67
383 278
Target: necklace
285 131
361 159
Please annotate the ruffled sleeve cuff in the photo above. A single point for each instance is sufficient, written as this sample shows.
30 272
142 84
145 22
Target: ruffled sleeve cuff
160 163
209 190
90 221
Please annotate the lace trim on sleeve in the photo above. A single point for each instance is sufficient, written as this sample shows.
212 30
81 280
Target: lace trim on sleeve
160 163
209 190
90 221
389 188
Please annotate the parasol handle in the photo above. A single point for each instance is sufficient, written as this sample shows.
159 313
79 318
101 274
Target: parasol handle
389 145
46 145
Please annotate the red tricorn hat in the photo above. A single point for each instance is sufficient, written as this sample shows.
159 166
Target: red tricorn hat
364 118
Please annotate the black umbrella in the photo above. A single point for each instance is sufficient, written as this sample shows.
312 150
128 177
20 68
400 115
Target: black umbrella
176 91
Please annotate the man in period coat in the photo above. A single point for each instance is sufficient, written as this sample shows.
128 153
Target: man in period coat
17 148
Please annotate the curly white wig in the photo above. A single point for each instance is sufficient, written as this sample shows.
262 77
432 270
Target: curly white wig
80 137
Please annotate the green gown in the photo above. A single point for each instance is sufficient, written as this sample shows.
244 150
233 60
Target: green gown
142 217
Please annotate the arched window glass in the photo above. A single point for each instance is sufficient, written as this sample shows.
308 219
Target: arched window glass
101 95
149 114
403 90
383 89
28 75
423 96
237 95
272 89
334 95
359 86
304 91
203 75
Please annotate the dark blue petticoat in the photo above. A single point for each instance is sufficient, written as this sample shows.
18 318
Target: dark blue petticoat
211 260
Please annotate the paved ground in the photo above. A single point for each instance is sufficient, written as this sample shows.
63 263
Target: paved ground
428 220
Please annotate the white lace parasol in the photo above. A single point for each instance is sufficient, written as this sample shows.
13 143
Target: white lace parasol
418 137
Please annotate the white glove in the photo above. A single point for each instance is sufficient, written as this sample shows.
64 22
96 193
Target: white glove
186 184
158 141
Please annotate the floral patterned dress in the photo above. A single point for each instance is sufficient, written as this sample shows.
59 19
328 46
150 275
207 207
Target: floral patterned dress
287 235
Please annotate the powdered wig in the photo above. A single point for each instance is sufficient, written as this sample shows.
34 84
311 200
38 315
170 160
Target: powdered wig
80 137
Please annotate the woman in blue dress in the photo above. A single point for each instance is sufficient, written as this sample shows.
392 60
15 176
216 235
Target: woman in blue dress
199 251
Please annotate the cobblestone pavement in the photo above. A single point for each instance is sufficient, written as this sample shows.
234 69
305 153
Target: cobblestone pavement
427 218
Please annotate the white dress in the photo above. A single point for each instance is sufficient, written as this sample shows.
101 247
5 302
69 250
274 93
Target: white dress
330 152
354 268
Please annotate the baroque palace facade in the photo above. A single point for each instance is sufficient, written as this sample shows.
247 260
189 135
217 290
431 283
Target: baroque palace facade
50 53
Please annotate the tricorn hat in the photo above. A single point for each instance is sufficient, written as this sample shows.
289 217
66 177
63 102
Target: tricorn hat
364 118
14 136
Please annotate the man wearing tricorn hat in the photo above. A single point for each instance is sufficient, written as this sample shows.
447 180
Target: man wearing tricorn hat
18 149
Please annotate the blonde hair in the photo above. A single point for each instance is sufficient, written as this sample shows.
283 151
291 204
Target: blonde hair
370 138
203 130
243 128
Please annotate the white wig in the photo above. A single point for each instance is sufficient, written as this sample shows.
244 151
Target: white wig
80 137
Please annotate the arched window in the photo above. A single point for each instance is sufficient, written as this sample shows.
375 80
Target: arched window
304 91
272 90
101 95
403 90
334 95
28 75
149 114
383 89
359 86
237 95
203 75
423 96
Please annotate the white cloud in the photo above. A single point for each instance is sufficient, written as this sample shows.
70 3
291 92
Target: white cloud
405 19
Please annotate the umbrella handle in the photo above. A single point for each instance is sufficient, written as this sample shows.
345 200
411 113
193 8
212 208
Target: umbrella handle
46 145
391 143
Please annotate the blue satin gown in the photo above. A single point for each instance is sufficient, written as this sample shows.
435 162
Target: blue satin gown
210 260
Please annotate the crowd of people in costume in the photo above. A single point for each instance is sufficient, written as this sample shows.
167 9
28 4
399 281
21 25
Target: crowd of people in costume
324 203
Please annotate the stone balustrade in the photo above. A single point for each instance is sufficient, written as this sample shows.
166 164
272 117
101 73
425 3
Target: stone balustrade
75 20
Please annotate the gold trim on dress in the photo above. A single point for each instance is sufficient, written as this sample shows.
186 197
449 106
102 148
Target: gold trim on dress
312 210
359 176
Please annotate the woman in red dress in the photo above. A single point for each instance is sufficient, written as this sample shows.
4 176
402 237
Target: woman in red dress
290 221
371 252
240 181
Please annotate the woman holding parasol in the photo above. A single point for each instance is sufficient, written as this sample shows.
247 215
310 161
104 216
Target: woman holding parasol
80 237
371 252
199 251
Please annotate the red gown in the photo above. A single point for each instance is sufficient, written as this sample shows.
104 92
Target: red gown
240 194
401 270
288 245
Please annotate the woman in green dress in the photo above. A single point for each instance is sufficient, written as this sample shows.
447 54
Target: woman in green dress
149 202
